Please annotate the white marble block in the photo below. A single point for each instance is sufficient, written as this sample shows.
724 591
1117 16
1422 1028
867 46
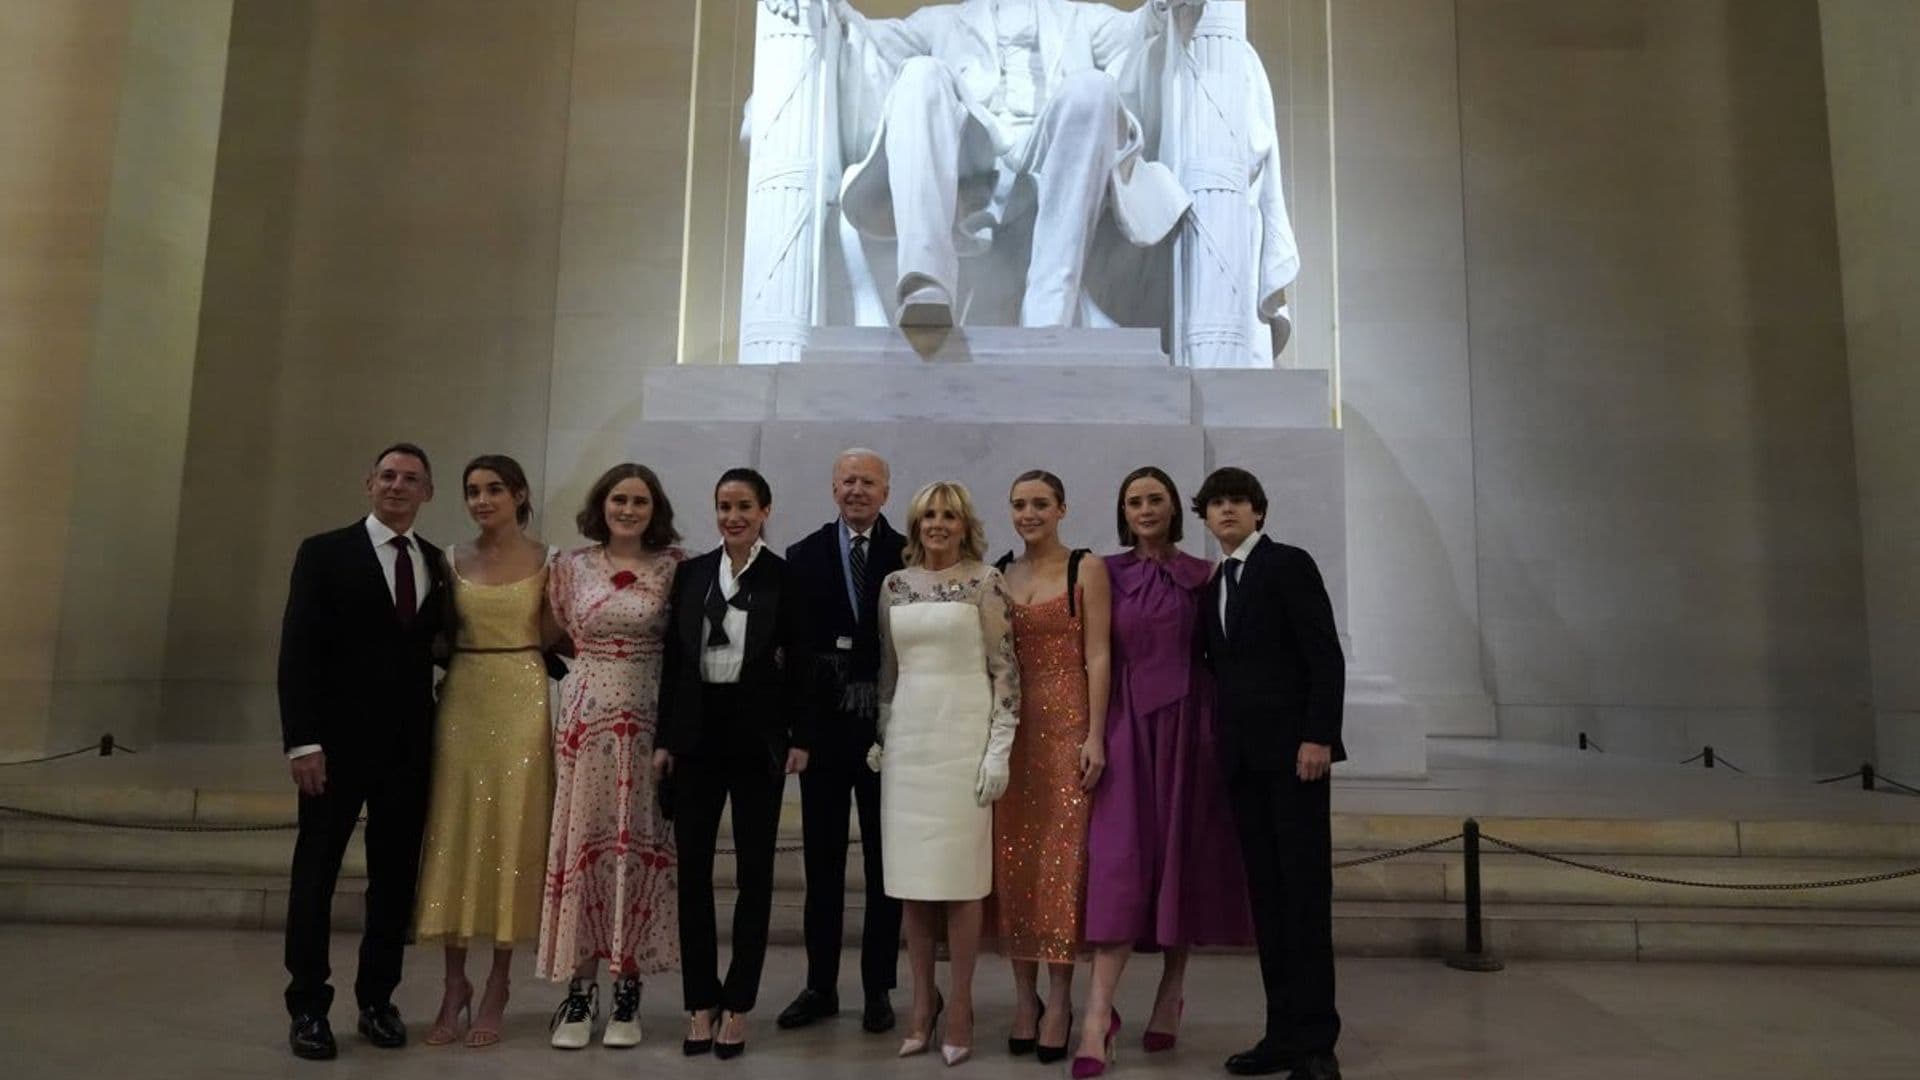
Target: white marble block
1116 347
985 421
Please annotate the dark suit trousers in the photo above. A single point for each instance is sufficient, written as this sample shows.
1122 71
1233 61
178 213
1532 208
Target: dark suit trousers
737 767
393 790
837 780
1286 841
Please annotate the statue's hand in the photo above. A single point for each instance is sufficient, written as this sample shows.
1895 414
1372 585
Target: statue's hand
785 9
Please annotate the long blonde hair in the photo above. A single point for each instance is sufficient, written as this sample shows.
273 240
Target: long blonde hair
973 545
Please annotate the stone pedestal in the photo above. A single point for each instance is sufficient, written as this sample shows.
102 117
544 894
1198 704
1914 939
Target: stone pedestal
982 406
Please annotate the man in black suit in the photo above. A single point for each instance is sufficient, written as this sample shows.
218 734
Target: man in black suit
1269 636
836 575
356 718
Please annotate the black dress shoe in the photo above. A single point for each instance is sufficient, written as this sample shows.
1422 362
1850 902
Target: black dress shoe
810 1006
877 1018
1316 1067
311 1037
381 1025
1262 1060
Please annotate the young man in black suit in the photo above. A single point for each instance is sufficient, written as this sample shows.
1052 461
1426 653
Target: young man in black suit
356 718
1269 636
836 574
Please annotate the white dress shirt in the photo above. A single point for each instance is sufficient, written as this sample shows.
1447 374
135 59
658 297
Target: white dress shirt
382 538
722 663
1245 549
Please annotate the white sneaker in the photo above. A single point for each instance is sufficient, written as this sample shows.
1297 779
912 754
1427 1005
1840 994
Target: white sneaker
623 1027
927 307
573 1021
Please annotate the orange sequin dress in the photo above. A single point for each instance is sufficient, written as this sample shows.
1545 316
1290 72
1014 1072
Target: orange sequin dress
1040 824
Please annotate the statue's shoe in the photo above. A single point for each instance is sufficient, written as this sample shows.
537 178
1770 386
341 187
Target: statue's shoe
927 307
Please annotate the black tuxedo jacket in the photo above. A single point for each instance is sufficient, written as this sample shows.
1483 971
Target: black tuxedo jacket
353 677
821 583
1280 676
774 673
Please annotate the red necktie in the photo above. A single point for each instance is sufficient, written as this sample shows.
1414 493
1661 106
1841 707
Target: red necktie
405 603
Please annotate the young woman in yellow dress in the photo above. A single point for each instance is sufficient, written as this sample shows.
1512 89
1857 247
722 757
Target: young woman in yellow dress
485 852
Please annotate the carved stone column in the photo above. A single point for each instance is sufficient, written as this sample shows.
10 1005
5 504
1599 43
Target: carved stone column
1215 253
777 283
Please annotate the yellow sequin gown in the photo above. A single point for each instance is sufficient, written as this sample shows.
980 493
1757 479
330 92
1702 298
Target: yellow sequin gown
484 864
1040 824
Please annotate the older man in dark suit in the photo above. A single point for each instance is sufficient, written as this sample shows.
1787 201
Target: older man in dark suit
356 716
836 574
1281 679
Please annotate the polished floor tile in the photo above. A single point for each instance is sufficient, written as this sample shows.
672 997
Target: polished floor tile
178 1003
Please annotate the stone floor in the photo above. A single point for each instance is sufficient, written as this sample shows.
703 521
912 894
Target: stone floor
177 1003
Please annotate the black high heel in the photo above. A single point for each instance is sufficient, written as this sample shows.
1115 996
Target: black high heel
696 1047
1021 1047
1048 1055
727 1051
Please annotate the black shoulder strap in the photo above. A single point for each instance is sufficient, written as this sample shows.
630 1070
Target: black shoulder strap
1073 578
1005 561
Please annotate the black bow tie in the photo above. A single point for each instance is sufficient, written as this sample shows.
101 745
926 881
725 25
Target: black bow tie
717 612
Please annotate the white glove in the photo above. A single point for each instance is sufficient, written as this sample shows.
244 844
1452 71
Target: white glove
992 783
874 756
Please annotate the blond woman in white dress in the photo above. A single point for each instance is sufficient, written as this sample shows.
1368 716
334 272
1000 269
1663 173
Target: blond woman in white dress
950 698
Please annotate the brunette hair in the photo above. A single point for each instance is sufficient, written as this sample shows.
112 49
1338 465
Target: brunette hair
1175 525
510 474
592 519
1232 483
973 545
1053 482
411 450
762 493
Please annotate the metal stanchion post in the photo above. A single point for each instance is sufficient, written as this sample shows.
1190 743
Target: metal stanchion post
1866 776
106 745
1476 956
1707 756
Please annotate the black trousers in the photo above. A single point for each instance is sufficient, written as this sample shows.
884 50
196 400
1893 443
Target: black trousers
740 768
1287 842
835 782
392 787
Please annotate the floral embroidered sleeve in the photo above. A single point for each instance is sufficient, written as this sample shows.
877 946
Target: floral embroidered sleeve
891 590
1003 669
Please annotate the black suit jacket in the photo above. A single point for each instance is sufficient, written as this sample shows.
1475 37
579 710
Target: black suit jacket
353 678
1280 676
821 583
774 673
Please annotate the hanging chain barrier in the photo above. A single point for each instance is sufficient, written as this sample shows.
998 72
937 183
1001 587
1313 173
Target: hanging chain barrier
106 747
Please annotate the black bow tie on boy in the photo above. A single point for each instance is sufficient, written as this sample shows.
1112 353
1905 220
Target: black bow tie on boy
717 612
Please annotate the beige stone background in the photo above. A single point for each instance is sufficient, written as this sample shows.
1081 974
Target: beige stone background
1622 332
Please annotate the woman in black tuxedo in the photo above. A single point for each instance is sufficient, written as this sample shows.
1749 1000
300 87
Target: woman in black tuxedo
734 722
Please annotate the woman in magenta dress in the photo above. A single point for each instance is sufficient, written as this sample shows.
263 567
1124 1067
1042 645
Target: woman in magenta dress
1163 868
611 887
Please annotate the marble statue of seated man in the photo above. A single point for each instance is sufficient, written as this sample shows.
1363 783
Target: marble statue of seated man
983 112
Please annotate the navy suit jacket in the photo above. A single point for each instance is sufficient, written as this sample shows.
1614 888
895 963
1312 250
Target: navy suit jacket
821 584
353 677
1278 669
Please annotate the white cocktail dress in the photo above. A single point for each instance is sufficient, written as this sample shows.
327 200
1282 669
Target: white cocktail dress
950 699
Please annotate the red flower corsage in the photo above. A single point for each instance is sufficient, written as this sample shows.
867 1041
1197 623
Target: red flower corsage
624 578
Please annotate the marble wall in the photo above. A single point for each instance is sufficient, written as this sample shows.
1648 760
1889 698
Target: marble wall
110 664
60 76
382 265
1669 545
1872 50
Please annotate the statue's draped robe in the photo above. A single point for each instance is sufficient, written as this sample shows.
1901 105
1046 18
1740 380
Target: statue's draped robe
1136 48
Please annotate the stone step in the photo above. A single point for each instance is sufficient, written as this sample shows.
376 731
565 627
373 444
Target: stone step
1435 876
1361 927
